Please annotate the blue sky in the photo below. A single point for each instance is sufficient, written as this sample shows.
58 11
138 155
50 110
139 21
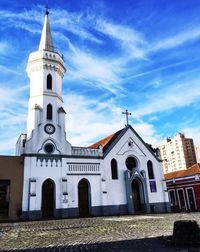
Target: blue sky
140 55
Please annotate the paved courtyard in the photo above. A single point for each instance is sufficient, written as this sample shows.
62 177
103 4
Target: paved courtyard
103 234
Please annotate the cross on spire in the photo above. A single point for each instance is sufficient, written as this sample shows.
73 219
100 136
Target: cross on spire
127 114
46 41
47 9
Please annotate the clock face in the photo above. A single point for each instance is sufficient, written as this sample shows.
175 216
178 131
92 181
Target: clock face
49 128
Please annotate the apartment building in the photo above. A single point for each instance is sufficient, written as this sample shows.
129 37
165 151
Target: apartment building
177 153
197 151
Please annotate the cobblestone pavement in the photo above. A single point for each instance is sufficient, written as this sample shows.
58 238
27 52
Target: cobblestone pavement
102 234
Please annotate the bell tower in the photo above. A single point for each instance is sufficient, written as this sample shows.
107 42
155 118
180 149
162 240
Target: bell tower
46 116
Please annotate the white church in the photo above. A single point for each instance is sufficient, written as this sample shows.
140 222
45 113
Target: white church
118 175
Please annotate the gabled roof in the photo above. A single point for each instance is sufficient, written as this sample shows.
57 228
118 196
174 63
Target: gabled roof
109 142
194 169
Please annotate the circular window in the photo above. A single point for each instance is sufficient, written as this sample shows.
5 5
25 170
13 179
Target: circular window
131 163
49 148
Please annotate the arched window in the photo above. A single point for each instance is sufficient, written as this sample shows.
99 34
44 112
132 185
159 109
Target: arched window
49 81
150 169
49 112
114 169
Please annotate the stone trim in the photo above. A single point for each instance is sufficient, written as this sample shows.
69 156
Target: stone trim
161 207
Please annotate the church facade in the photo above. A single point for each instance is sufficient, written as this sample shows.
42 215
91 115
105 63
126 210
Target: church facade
120 174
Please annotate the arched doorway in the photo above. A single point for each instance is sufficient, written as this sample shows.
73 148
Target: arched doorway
84 198
48 201
136 196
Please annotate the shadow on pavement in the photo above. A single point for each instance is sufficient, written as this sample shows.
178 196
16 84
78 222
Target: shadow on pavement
156 244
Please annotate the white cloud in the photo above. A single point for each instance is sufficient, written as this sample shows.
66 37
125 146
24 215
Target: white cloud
131 40
75 23
180 95
8 70
177 40
88 121
84 25
192 132
148 133
12 96
8 145
156 70
13 109
97 71
61 20
23 20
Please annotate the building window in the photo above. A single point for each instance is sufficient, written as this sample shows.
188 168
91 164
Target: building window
49 81
49 112
191 198
172 198
181 199
114 169
152 184
150 169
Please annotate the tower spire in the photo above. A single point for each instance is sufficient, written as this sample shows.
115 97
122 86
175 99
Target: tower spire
46 41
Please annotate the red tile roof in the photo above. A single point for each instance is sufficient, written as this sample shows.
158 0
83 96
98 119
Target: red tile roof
195 169
107 141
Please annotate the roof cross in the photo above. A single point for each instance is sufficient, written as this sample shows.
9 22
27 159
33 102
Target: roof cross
127 114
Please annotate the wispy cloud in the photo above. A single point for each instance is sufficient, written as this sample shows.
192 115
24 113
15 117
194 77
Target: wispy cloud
180 95
22 20
130 39
10 96
76 23
97 71
102 120
4 69
96 120
4 47
13 115
157 69
100 52
148 133
177 40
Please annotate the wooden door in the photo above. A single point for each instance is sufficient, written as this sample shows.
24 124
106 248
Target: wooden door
136 196
48 199
83 198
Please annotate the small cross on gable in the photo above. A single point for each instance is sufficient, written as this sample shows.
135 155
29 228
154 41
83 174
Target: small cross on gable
127 115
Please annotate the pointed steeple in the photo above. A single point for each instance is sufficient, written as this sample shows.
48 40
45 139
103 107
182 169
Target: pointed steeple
46 41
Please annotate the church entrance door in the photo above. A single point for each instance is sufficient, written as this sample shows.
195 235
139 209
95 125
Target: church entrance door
136 196
83 198
48 203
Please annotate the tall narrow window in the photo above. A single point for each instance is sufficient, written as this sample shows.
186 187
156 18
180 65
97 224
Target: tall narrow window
49 81
114 169
49 112
150 169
